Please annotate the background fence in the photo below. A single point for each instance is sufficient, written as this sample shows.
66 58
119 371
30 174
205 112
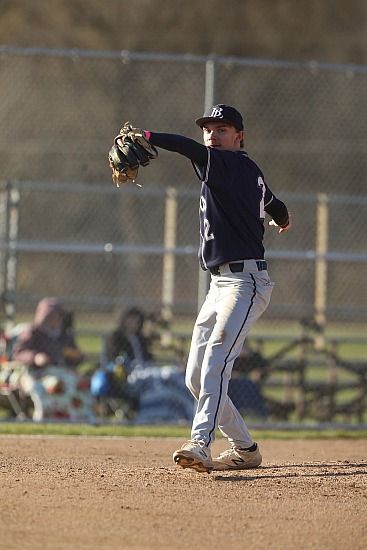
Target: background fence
67 231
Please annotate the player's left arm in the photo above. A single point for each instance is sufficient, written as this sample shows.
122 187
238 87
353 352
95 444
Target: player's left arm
183 145
279 212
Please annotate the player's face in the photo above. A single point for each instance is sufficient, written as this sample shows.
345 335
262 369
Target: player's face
220 135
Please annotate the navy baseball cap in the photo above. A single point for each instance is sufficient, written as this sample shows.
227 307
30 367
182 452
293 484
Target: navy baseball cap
223 113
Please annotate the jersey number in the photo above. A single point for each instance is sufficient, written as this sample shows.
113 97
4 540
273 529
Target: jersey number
260 183
207 235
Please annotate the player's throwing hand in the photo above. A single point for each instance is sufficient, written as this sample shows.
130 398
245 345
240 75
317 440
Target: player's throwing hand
282 229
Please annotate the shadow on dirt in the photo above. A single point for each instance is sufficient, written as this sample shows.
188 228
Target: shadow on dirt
273 472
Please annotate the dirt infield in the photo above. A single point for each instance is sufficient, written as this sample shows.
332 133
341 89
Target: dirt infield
102 493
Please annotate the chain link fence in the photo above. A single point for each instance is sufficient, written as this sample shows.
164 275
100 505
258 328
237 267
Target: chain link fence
67 232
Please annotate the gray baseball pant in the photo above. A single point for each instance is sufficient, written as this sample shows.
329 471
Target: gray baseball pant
234 302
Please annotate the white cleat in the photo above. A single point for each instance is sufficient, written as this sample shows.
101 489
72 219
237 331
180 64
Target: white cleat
196 455
236 458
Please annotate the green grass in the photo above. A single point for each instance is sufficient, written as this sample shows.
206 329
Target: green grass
25 428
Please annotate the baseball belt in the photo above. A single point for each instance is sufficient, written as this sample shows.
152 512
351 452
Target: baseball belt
239 267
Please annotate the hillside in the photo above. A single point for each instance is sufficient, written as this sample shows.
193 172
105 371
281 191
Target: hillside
278 29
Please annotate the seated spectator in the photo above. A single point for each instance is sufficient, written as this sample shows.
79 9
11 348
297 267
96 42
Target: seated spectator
125 348
128 341
49 340
49 353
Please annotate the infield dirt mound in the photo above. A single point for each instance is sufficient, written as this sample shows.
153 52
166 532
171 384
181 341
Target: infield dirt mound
103 493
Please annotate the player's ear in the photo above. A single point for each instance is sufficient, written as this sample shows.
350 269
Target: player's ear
241 134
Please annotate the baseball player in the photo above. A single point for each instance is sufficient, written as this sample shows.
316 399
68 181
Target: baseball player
233 202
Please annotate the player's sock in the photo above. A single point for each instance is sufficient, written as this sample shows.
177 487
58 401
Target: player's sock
249 449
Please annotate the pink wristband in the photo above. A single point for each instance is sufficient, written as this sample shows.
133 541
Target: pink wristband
147 134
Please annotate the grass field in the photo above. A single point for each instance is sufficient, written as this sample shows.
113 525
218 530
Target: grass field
30 428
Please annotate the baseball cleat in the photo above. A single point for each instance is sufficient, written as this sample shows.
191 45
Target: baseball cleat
236 458
196 455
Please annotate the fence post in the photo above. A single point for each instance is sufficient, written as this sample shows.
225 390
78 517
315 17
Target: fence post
322 230
169 260
3 241
10 207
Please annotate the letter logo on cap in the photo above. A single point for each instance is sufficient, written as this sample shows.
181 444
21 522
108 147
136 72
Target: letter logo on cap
217 112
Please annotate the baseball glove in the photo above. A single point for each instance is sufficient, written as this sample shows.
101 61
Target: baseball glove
131 150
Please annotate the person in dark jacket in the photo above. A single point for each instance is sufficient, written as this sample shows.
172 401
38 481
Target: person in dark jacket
128 340
125 348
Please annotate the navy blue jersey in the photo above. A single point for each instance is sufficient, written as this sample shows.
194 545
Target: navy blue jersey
232 208
233 201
